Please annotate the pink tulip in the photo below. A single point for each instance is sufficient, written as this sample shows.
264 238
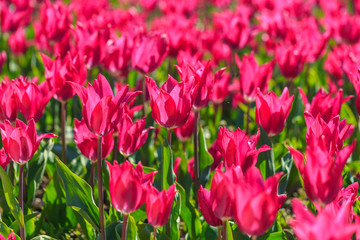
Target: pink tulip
100 106
239 149
205 208
158 205
4 159
220 88
17 42
185 132
9 105
290 59
257 202
327 225
86 141
128 186
171 104
272 112
21 142
321 172
2 59
131 135
10 237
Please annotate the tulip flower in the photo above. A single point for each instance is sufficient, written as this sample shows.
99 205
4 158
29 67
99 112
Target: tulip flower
10 237
32 98
4 159
60 72
290 59
21 142
128 186
272 112
333 133
2 59
17 42
100 107
171 104
222 194
323 104
252 77
190 168
158 205
216 156
220 88
184 132
321 172
149 52
12 20
205 208
257 202
131 135
238 149
177 162
9 105
327 225
86 141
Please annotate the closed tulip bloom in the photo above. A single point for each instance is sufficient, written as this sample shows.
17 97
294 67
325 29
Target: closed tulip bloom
32 98
323 104
185 132
59 72
252 77
327 225
220 88
205 207
257 202
321 172
4 159
17 42
272 112
86 141
9 105
131 135
158 205
21 142
128 186
290 60
222 194
149 52
334 133
100 106
2 59
171 104
238 149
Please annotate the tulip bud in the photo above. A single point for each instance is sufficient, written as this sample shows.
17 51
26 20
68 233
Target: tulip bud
158 205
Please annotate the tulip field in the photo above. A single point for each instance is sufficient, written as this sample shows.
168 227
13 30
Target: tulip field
179 119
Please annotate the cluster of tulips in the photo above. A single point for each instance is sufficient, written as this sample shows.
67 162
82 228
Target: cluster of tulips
259 81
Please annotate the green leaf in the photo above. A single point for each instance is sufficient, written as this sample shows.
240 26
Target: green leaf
43 237
131 230
189 214
175 212
266 161
274 236
286 165
35 174
78 194
10 197
229 233
205 159
166 171
209 232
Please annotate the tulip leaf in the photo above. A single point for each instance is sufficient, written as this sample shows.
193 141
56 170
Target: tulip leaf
266 161
286 165
36 171
166 171
78 194
205 159
43 237
10 197
274 236
229 233
174 223
209 232
189 214
131 230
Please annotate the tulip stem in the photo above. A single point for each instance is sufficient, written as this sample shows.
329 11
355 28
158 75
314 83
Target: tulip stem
196 157
143 88
254 238
115 149
154 235
224 231
63 130
248 118
100 189
21 203
219 232
169 136
92 176
123 232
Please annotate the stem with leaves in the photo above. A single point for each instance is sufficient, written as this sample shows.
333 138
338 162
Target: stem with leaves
196 157
100 189
21 201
